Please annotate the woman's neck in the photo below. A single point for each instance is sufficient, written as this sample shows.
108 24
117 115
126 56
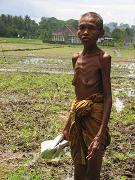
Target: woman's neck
90 49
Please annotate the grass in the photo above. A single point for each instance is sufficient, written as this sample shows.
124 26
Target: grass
123 178
64 52
34 107
19 40
29 100
31 103
119 156
23 173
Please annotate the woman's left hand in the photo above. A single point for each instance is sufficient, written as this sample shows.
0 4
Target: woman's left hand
94 147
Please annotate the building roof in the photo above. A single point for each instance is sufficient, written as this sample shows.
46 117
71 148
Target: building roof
67 31
107 34
71 31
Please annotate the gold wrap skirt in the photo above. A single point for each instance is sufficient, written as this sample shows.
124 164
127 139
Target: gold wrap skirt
89 114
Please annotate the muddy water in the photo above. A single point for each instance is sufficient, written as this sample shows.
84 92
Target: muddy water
119 101
70 178
53 71
130 92
39 60
117 52
34 60
120 65
118 104
57 66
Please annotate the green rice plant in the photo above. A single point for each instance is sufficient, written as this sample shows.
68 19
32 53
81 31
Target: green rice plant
107 162
119 156
131 154
23 173
123 178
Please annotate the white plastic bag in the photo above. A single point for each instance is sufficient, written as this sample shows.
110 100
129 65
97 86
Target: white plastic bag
51 149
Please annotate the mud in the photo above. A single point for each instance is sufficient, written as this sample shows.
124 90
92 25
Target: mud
20 142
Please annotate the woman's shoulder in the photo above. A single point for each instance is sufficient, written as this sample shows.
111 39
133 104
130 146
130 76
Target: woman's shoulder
104 55
76 55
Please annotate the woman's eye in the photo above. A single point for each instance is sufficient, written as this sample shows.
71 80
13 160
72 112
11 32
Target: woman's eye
91 28
81 27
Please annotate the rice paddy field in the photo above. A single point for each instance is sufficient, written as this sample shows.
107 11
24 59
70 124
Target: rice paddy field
35 98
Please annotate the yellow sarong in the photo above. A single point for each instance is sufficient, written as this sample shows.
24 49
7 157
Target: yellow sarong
89 113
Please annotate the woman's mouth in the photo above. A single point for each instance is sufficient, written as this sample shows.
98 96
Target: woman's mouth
85 38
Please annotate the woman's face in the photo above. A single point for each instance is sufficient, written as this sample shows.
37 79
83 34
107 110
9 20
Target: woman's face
88 32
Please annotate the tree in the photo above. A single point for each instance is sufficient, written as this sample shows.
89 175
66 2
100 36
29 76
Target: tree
3 30
12 26
129 35
112 25
118 35
123 26
133 32
45 30
72 22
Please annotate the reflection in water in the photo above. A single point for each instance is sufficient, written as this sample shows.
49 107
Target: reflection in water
33 61
69 178
130 92
118 105
39 60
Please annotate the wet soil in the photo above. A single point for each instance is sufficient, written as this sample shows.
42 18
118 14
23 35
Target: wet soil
20 148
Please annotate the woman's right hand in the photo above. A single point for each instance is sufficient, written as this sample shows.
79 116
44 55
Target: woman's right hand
65 135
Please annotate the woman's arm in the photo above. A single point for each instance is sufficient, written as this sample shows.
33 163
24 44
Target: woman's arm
66 129
68 124
97 141
106 70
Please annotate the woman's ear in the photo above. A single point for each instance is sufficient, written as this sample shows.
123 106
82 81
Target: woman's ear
101 33
78 33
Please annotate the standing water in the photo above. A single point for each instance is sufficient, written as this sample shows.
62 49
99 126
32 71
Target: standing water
118 105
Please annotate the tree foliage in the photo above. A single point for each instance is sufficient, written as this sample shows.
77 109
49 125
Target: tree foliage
49 25
17 26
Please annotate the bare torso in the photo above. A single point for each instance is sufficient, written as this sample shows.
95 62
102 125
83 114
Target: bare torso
92 70
87 74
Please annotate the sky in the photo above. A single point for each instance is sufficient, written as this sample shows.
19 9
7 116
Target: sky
120 11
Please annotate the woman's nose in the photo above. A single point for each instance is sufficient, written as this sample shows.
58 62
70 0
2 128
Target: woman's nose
86 31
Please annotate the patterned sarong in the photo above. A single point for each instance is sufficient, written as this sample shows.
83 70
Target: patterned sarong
88 113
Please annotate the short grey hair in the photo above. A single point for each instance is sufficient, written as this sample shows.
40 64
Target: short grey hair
99 21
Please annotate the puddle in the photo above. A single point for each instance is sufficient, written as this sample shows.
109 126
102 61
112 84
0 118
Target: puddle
69 178
130 93
37 60
118 105
45 70
34 60
131 75
124 69
117 91
67 151
120 65
117 52
131 66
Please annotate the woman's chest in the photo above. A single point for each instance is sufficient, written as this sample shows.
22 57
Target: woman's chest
88 66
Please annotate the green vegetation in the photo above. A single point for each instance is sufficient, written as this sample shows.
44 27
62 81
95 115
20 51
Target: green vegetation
17 26
14 26
15 51
34 106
